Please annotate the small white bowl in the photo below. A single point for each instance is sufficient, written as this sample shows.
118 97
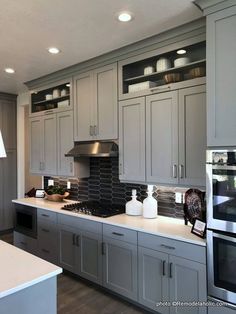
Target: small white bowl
181 61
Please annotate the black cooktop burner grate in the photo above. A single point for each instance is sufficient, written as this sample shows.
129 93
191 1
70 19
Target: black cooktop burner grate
95 208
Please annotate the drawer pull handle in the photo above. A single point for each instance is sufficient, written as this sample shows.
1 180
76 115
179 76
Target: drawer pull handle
118 234
44 215
103 248
168 247
45 251
171 274
78 240
160 88
73 239
45 230
163 268
23 243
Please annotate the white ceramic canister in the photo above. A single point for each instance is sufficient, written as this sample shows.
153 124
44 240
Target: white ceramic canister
181 61
148 70
63 92
48 97
56 93
163 64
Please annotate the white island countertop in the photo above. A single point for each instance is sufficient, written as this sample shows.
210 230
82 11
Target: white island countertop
162 226
19 269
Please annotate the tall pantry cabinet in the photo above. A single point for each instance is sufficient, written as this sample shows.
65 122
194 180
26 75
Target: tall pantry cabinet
8 187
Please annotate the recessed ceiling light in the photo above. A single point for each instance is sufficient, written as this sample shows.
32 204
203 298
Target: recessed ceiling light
53 50
125 17
9 70
181 51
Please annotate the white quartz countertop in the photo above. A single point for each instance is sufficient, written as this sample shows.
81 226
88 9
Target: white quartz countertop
163 226
19 269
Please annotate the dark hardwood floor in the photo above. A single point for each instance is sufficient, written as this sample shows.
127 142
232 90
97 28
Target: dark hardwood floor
78 297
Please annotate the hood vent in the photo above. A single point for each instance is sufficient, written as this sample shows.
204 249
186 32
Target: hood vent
93 149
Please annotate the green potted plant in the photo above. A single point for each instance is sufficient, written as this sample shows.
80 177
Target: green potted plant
56 193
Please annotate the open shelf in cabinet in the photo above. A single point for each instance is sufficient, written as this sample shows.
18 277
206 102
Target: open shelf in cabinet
133 73
61 99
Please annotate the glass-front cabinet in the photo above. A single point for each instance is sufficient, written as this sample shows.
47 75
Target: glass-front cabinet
53 98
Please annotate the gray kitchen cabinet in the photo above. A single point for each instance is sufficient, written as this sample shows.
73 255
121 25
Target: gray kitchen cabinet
162 137
221 65
25 243
95 104
51 137
176 137
171 270
48 240
192 136
68 247
132 140
90 256
8 166
43 146
187 283
120 261
153 279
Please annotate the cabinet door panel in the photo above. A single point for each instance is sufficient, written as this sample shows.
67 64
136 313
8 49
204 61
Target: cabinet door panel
49 148
187 284
153 279
35 134
221 65
120 268
8 122
90 258
65 143
192 135
132 140
67 249
83 104
162 137
106 107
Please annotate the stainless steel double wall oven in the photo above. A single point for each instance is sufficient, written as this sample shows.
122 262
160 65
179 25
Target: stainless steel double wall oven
221 224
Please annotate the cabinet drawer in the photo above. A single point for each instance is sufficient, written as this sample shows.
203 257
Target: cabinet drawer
47 215
178 248
80 223
120 233
25 243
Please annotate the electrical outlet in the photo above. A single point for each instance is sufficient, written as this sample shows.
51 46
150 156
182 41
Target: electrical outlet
50 182
178 197
68 185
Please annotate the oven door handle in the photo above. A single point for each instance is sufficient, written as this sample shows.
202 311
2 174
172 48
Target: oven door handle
223 237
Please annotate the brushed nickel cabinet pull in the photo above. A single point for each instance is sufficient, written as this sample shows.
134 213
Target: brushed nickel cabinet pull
103 248
48 112
181 171
118 234
78 240
174 171
95 128
171 274
160 88
168 247
45 215
163 268
73 239
91 130
45 251
23 243
71 166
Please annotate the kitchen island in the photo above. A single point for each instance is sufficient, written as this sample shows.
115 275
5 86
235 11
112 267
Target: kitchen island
27 283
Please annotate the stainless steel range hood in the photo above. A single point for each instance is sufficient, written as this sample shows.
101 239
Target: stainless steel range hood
93 149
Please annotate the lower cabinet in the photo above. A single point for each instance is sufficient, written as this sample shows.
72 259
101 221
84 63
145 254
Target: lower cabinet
80 251
25 243
164 277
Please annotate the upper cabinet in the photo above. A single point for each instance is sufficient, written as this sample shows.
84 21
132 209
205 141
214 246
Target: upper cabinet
161 70
95 104
53 98
173 150
221 72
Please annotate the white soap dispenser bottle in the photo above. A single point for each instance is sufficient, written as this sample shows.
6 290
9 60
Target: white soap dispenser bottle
134 207
150 204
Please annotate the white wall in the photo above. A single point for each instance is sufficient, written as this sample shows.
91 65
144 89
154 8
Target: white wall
24 180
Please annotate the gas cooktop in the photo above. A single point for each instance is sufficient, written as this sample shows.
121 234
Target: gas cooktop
95 209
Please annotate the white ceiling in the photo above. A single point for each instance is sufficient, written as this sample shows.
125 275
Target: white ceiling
82 29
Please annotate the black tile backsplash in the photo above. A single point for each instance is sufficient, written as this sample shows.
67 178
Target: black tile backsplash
104 185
